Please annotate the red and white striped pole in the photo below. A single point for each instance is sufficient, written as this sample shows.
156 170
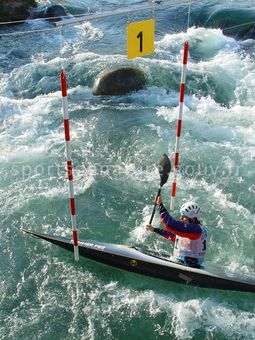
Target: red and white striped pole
179 123
69 163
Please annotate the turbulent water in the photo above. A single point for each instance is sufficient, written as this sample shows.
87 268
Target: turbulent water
116 145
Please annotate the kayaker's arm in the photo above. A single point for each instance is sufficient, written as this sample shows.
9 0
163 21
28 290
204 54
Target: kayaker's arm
189 230
166 234
162 232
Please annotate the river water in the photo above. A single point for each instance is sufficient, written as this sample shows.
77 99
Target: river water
116 145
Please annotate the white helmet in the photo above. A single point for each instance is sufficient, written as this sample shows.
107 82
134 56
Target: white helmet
190 209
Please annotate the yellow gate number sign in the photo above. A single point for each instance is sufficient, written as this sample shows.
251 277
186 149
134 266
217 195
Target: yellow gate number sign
140 38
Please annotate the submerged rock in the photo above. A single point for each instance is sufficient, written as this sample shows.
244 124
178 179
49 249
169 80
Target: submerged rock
14 10
49 11
119 81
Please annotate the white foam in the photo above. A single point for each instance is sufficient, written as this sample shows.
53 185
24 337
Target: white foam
198 41
89 32
139 234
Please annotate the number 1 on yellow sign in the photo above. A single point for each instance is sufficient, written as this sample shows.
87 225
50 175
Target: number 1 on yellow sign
140 38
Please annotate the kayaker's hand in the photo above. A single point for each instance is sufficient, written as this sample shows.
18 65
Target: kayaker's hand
158 200
149 227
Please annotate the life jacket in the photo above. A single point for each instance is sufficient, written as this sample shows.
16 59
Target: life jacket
185 247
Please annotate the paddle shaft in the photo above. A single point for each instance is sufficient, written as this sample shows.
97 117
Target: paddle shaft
155 204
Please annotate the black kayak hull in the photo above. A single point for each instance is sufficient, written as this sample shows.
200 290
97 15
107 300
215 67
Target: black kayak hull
140 262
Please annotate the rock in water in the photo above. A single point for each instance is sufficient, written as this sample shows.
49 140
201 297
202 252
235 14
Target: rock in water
14 10
119 81
49 11
55 11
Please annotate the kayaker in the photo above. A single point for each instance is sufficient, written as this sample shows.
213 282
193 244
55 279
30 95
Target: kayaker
188 234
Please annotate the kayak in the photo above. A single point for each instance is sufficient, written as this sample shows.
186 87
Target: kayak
151 264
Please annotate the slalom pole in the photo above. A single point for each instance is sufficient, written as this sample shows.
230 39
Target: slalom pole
69 163
179 124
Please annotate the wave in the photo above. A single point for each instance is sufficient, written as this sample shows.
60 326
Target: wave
237 21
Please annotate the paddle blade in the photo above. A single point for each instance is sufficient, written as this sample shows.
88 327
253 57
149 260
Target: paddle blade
164 169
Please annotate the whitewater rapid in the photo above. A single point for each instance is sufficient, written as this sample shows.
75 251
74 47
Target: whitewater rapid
116 145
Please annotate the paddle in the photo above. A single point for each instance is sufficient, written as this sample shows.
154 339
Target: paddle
164 170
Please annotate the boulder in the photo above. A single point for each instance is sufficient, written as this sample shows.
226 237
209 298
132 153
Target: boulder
14 10
119 81
49 11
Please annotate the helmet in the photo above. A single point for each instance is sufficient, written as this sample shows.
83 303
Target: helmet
190 209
